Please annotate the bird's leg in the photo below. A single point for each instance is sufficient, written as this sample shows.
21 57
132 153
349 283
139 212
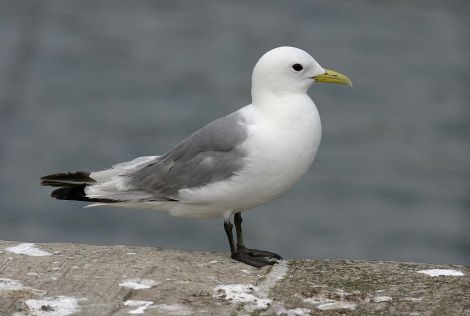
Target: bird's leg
253 257
228 230
238 227
241 246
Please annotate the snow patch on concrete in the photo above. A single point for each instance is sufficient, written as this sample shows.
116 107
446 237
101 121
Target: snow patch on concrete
53 306
317 300
253 297
10 285
326 304
173 309
279 309
441 272
138 284
413 299
141 306
28 249
13 285
336 305
381 299
166 309
241 293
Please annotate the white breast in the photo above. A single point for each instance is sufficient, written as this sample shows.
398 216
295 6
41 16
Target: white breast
282 152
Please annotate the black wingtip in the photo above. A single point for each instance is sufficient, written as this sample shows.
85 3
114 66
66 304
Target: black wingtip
72 186
77 193
66 179
82 176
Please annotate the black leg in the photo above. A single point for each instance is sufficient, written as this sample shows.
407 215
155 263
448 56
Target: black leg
238 227
253 257
228 230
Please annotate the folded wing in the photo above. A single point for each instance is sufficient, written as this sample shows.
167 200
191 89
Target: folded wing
211 154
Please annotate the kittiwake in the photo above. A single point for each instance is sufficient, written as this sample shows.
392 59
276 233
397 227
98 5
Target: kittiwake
233 164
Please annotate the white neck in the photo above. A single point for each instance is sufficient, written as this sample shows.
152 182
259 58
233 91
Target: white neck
283 109
261 91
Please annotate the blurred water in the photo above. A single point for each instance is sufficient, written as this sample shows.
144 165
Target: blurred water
84 84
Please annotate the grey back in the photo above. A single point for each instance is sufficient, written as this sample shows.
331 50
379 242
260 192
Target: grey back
209 155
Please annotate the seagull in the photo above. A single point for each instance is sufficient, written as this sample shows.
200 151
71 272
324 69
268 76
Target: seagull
232 164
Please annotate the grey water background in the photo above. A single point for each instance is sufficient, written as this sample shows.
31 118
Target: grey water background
85 84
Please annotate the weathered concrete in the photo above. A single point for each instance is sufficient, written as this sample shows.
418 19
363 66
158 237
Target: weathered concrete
60 279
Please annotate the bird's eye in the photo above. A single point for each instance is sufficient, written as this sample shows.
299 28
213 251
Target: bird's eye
297 67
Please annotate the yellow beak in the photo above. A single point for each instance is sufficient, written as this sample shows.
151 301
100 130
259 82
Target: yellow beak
333 77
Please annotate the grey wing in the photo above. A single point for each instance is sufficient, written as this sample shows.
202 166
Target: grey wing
211 154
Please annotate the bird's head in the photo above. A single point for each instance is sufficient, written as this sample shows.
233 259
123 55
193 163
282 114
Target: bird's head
287 70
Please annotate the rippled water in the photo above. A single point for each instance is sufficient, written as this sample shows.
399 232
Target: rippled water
85 84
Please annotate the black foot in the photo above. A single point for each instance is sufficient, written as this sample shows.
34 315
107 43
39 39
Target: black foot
256 258
260 253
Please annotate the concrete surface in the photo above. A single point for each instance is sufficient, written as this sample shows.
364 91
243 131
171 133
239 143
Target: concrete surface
64 279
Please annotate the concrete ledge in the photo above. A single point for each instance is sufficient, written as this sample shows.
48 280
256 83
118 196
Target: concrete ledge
64 279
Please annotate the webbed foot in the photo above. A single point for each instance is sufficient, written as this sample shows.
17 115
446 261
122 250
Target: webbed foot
256 258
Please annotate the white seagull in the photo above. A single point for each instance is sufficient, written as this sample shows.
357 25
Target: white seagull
233 164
